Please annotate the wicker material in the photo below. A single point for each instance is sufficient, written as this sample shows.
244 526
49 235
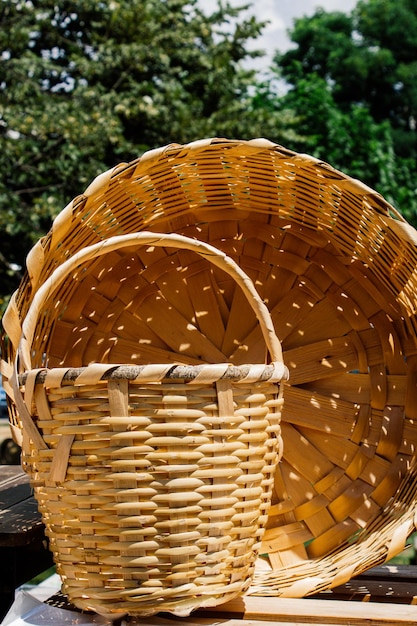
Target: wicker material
336 266
154 481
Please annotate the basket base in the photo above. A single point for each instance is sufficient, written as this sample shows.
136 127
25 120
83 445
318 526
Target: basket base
180 607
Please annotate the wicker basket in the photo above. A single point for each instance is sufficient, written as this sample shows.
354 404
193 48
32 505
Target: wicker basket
336 266
154 481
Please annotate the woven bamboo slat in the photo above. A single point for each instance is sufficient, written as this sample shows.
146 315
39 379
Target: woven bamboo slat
336 266
154 481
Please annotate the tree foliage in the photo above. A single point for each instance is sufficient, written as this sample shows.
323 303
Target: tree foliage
89 84
352 82
86 85
368 57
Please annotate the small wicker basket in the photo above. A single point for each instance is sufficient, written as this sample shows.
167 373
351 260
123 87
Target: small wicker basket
336 266
154 481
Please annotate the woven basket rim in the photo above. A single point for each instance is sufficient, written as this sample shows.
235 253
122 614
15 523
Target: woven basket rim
271 372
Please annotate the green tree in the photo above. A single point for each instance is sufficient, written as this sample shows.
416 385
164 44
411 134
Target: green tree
367 56
86 85
352 82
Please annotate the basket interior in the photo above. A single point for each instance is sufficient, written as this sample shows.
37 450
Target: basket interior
338 273
147 305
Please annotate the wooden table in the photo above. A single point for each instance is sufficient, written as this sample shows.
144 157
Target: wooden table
381 597
23 547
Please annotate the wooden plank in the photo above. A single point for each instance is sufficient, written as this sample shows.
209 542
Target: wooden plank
201 621
265 611
399 572
258 611
20 520
313 611
14 492
21 525
13 476
10 472
23 547
385 583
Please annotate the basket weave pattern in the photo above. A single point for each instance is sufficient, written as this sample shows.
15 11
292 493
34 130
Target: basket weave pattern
162 509
336 266
154 481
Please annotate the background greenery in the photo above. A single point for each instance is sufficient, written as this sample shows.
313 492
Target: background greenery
86 85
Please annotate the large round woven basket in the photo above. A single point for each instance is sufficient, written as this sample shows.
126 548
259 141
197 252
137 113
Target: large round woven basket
336 266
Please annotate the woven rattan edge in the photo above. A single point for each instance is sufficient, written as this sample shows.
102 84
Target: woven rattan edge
273 372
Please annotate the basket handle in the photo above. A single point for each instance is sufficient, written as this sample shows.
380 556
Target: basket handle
173 240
